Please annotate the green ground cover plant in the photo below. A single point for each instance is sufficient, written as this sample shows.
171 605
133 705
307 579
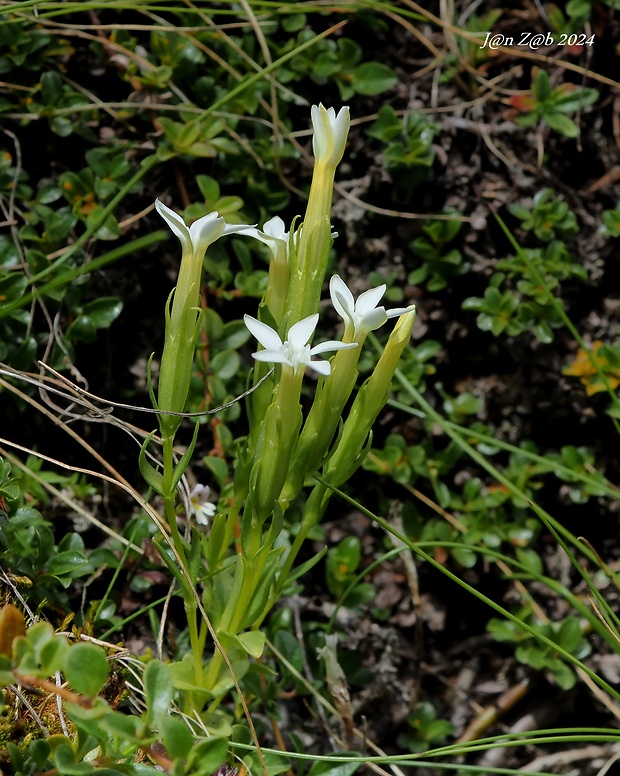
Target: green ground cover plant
248 523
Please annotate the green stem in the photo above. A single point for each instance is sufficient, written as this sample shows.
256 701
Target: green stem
313 511
191 611
231 521
195 641
169 496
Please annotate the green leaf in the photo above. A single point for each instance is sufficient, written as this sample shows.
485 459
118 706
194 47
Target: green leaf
103 311
39 635
290 648
206 757
542 86
67 562
82 329
188 134
542 332
158 689
576 99
12 286
322 768
226 364
274 763
126 727
181 467
53 654
238 657
530 559
563 675
234 335
387 126
569 634
373 78
418 275
253 642
86 669
294 22
216 723
218 467
562 124
213 546
184 678
171 128
88 719
209 188
151 475
48 193
205 150
64 759
502 630
177 737
301 570
467 558
51 88
40 752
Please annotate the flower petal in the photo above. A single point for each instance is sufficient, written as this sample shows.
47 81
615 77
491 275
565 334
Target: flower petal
267 337
398 311
273 235
373 319
206 230
369 299
238 228
204 512
272 357
200 493
302 331
332 345
252 231
322 367
275 229
176 223
342 298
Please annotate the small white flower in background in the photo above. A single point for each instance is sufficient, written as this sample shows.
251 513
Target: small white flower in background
362 315
195 239
295 352
330 133
202 508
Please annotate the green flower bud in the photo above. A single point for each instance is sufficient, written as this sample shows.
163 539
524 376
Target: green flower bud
310 263
374 393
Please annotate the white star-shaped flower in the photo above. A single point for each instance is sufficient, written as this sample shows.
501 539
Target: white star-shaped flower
363 315
295 352
202 508
195 239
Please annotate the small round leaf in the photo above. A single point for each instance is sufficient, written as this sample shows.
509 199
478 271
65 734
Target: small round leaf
86 669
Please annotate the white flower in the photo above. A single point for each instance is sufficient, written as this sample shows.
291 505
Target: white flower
273 235
330 133
295 352
202 508
196 238
363 315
